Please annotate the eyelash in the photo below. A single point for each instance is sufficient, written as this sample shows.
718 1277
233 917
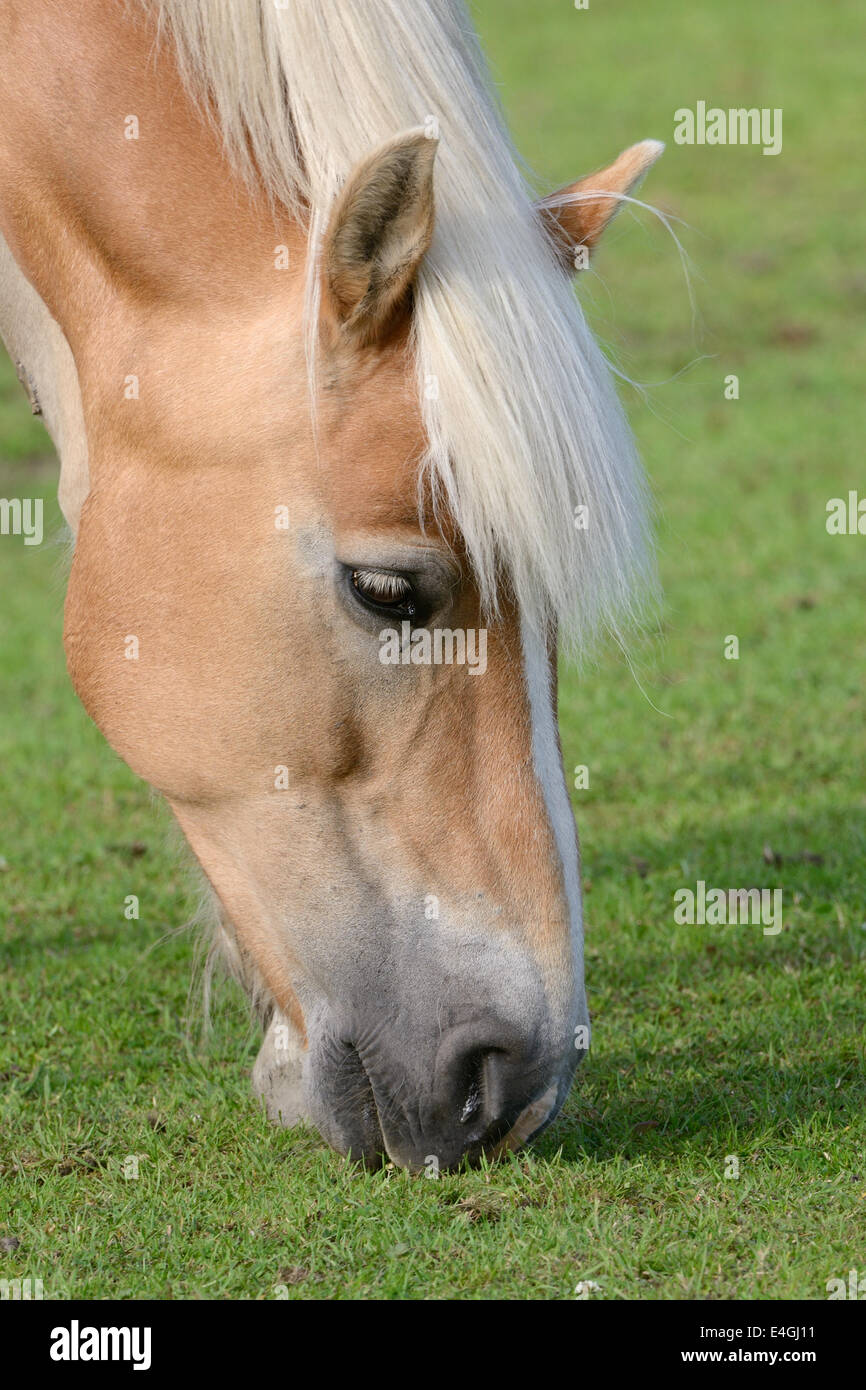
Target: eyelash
390 592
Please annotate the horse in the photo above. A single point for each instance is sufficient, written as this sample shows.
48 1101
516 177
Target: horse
309 349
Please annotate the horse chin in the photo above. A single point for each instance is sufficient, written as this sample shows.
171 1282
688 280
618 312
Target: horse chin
278 1074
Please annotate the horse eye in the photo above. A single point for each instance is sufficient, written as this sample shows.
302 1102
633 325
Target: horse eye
384 589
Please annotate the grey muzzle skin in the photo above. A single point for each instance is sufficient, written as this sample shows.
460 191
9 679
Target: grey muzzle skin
374 1096
426 1042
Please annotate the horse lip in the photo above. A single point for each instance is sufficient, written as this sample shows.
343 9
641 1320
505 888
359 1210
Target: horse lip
359 1119
366 1140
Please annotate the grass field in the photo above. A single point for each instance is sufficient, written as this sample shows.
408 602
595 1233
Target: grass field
709 1042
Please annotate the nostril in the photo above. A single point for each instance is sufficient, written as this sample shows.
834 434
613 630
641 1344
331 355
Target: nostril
470 1086
482 1087
473 1105
474 1097
484 1077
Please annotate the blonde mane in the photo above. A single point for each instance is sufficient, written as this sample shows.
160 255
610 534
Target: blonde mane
522 419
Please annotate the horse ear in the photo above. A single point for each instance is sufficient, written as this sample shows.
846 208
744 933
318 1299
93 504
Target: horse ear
575 218
380 228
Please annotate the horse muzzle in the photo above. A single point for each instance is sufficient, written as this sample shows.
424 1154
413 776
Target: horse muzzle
481 1086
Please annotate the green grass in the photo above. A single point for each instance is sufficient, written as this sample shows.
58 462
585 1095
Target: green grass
708 1041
